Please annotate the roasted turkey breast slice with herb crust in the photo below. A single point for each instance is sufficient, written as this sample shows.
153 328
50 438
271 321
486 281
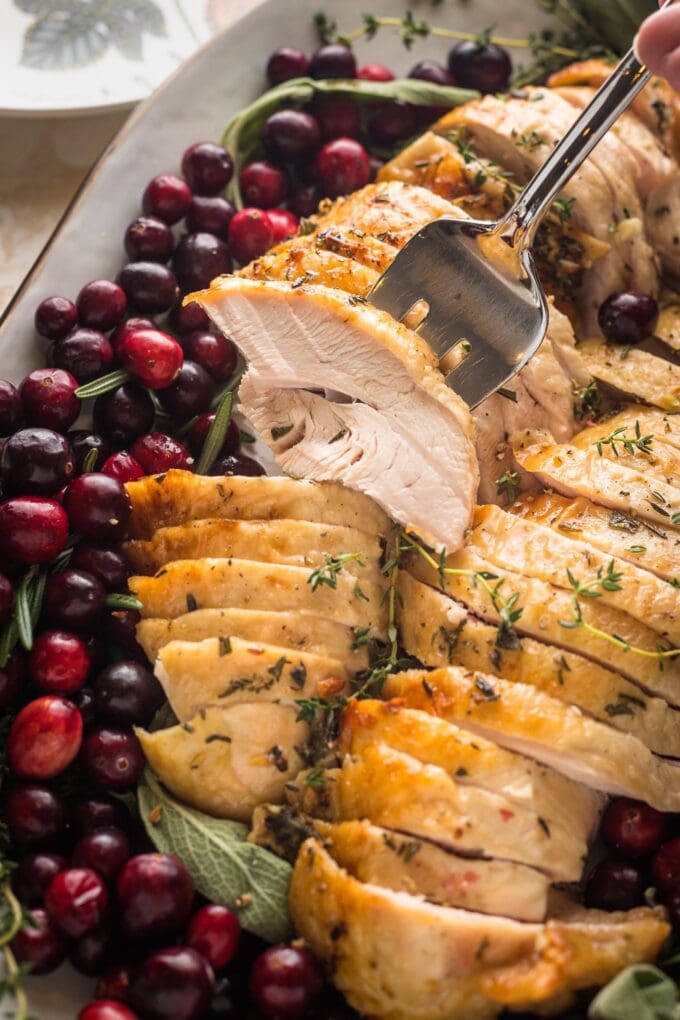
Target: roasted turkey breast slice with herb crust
630 445
526 720
635 374
308 261
179 496
440 632
388 211
397 957
311 336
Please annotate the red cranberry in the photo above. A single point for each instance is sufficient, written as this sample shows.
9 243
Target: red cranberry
263 184
207 167
34 874
39 945
101 305
92 813
114 984
339 116
59 662
198 434
94 951
122 632
342 166
172 984
127 694
36 461
614 885
11 677
190 394
632 828
304 200
44 738
106 1009
124 413
198 259
158 452
333 61
113 758
214 933
666 866
210 214
285 982
285 224
155 895
105 851
188 318
237 464
122 467
10 408
375 72
286 63
393 122
6 598
85 353
34 814
433 71
152 357
49 400
291 135
109 566
150 286
130 325
213 352
55 317
76 900
148 239
482 66
33 529
250 234
74 598
98 507
83 443
167 197
628 317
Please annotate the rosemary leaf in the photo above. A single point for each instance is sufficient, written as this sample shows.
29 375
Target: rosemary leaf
217 432
119 601
104 384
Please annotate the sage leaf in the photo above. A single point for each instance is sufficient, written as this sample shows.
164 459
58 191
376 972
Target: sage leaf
640 992
225 867
104 384
217 433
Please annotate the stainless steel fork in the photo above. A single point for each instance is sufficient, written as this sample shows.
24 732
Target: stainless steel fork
476 281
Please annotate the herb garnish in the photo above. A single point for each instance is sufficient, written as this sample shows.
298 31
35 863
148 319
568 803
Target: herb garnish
632 445
328 574
508 485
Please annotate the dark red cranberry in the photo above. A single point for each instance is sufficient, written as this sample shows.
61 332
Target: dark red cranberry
76 901
478 65
127 694
59 662
433 71
150 286
666 866
189 317
74 598
123 467
122 631
210 214
148 239
207 167
98 507
34 874
109 566
342 166
190 394
11 677
155 895
304 200
199 433
48 397
614 885
375 72
90 449
263 184
114 984
10 408
113 758
393 122
632 828
338 116
94 951
36 461
101 305
85 353
39 945
34 814
92 813
285 982
215 353
167 197
106 1009
130 325
6 598
158 452
55 317
153 358
172 984
199 258
286 63
284 223
250 234
237 464
44 738
33 529
105 851
214 932
333 61
628 317
291 135
124 413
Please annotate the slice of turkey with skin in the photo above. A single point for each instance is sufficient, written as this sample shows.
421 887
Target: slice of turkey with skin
642 451
438 632
313 337
667 327
523 719
663 425
636 374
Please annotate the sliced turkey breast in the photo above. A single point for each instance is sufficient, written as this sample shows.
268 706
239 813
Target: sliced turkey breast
398 957
668 324
180 496
530 722
440 632
303 261
406 415
227 760
388 211
663 215
296 631
634 373
245 584
629 445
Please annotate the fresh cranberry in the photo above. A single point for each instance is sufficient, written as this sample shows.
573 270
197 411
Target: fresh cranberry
237 464
432 71
83 443
285 982
198 434
286 63
214 933
122 467
105 851
478 65
393 122
632 828
106 1009
210 214
628 317
263 184
333 61
124 414
55 317
34 814
167 197
114 984
48 397
215 353
342 166
148 239
199 258
130 325
95 950
109 566
101 305
250 234
284 223
92 813
155 895
207 167
127 694
98 507
152 357
84 353
34 874
36 461
614 885
10 408
190 394
121 631
291 135
44 738
150 287
11 677
113 758
33 529
158 452
74 598
304 199
172 984
76 901
666 866
186 318
338 116
39 945
375 72
59 662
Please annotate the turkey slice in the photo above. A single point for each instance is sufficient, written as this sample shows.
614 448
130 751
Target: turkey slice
668 325
634 373
628 444
302 261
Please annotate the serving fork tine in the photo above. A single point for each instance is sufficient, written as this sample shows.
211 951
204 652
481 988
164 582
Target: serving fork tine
470 287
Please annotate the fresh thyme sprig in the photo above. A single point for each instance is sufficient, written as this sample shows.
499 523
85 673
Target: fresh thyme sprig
328 574
631 444
508 485
409 29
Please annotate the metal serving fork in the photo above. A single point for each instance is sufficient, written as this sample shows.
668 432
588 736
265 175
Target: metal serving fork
476 280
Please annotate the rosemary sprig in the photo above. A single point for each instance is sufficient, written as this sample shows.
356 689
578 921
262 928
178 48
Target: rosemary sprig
214 441
631 444
328 574
104 384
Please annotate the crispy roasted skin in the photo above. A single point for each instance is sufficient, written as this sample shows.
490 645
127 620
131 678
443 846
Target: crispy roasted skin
635 374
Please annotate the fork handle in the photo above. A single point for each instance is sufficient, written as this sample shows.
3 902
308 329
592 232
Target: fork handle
612 99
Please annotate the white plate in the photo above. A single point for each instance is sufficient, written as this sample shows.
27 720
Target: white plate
195 104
